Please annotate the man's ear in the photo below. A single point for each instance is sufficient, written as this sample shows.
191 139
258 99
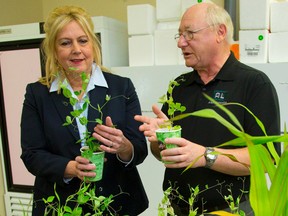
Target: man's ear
221 33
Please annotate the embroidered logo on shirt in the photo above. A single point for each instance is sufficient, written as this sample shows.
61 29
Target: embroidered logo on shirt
220 96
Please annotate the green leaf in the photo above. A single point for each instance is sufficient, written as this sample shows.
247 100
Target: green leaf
73 101
99 121
67 209
76 113
66 92
50 199
83 120
259 196
279 187
82 199
210 113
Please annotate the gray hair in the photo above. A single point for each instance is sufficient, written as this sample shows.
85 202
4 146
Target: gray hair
216 15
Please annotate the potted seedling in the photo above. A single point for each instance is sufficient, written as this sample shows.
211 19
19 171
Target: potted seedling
169 129
91 148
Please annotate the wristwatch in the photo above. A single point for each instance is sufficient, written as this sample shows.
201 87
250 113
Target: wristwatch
210 158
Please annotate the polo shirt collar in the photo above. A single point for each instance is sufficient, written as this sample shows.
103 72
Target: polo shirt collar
225 72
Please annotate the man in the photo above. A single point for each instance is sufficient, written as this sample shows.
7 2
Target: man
205 35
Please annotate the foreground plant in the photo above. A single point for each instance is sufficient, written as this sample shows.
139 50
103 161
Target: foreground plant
84 196
273 200
172 193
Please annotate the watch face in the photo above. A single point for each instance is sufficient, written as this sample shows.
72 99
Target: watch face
211 156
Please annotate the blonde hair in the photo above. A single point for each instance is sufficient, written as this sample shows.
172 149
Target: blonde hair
216 15
55 22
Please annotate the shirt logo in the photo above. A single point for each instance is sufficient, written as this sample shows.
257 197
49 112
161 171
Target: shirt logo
220 96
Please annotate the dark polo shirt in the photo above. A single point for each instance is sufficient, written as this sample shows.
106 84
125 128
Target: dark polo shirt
235 82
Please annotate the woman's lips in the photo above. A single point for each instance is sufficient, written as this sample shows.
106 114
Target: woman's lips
76 61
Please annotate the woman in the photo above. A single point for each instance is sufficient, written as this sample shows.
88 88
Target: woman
50 151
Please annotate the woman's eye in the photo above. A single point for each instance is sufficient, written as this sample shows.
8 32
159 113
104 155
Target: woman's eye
65 43
83 41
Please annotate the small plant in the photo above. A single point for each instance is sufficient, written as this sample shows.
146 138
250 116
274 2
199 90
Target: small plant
88 139
84 196
172 193
172 105
233 204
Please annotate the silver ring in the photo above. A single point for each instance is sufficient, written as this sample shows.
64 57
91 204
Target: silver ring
111 146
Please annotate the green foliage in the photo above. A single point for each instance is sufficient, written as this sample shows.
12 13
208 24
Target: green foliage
264 200
172 105
172 193
88 139
84 196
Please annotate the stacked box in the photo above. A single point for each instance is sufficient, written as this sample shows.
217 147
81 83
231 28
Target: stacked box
166 50
141 19
278 46
169 25
279 17
253 46
142 22
141 50
254 14
168 10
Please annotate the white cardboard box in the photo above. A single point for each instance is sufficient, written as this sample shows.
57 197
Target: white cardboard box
141 19
254 14
279 17
166 50
278 46
141 50
168 25
253 46
114 40
168 10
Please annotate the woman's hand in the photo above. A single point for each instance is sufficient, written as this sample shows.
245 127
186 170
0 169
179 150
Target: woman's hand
114 140
80 167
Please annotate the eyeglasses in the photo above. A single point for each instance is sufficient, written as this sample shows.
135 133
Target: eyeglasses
188 35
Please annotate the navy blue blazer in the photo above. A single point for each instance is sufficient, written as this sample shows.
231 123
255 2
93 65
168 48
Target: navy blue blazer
47 146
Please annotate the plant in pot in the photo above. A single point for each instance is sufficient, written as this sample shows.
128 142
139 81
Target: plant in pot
168 129
91 146
90 150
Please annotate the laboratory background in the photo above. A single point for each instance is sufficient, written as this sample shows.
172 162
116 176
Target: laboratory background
124 28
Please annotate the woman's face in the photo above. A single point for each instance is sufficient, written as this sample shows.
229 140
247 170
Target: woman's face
74 48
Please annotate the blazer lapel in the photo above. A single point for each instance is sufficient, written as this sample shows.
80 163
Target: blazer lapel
64 108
